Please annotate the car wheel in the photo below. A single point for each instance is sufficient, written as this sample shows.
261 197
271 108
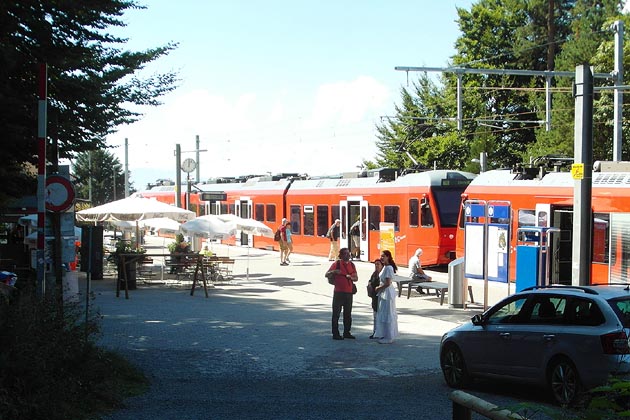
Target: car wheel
454 367
564 381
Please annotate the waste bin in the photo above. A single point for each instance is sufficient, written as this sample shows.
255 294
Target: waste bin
457 284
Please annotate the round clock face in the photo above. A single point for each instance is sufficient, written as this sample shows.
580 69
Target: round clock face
188 165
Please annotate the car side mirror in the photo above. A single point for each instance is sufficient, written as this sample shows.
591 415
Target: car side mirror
477 319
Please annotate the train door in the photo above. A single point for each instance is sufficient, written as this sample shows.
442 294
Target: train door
562 218
344 238
364 255
560 243
243 208
354 210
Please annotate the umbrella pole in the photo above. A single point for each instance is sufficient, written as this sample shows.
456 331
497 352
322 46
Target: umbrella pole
247 271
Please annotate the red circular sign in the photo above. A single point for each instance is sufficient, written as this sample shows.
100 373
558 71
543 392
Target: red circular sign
59 193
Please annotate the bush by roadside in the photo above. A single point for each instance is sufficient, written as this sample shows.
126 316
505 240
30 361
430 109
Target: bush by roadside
50 367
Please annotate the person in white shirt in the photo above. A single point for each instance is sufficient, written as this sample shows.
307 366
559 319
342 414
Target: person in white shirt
416 273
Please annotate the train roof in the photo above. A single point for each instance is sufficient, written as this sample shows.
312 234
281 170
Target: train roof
504 177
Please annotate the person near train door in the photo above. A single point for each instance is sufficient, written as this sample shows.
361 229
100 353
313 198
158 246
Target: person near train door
284 247
333 235
416 273
289 242
355 235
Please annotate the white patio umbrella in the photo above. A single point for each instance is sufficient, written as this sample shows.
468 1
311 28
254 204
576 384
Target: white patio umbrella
208 226
161 224
249 226
134 209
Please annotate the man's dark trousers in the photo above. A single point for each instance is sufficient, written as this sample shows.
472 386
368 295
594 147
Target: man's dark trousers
341 300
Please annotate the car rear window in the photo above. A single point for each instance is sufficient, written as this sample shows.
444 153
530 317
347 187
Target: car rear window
621 307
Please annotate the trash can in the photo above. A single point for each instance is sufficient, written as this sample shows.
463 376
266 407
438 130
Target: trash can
457 284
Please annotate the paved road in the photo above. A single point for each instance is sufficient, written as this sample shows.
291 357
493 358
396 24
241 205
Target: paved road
260 347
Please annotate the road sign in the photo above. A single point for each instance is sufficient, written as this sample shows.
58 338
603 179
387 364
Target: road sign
59 193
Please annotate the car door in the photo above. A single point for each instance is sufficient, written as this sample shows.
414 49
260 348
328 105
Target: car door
490 344
538 336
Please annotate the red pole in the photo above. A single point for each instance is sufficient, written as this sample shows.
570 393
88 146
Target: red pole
41 178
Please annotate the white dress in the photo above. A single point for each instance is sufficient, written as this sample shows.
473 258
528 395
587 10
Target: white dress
386 317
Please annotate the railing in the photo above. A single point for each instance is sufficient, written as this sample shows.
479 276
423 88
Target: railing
465 404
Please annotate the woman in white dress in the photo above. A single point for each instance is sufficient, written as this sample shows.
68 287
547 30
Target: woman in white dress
386 317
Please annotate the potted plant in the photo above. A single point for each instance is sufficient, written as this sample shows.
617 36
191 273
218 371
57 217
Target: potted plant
178 251
133 255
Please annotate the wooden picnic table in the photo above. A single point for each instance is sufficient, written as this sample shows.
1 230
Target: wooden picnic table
188 260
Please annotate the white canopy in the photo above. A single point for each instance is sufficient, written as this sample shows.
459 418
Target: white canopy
134 209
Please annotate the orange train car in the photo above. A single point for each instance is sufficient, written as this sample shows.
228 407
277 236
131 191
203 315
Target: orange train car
547 201
421 208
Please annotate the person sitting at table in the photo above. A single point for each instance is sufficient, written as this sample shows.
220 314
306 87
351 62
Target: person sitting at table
206 252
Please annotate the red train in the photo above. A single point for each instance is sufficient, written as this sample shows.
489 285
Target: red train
417 210
546 199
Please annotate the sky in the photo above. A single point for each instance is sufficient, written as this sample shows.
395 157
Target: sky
277 86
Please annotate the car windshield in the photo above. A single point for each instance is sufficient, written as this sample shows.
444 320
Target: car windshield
621 306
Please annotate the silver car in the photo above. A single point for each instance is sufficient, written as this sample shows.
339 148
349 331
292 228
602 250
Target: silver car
567 338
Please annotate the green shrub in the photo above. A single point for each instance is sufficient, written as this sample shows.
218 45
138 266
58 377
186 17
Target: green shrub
50 367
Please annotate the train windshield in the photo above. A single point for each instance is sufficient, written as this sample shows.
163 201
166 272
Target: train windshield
447 201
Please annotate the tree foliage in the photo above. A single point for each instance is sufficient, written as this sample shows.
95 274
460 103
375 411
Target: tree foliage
503 114
92 79
101 173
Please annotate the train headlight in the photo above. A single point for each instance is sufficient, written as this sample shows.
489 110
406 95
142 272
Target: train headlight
451 236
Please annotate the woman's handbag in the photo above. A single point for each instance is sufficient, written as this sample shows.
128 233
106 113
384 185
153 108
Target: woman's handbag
370 290
354 288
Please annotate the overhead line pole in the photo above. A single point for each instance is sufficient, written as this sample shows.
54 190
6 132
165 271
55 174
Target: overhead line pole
460 71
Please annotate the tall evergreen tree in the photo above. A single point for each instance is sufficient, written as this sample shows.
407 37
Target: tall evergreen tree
99 176
91 79
503 114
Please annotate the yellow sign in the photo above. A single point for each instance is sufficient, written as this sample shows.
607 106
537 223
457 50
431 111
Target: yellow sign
577 171
388 238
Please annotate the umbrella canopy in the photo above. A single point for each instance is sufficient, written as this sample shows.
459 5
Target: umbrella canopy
249 226
208 226
134 209
161 224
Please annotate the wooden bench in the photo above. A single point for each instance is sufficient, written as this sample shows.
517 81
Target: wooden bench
145 268
440 288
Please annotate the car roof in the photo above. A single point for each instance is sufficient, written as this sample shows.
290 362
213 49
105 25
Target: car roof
606 291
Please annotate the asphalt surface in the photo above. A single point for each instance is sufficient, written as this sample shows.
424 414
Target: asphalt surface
260 346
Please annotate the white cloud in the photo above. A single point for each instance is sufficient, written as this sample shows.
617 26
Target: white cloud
327 131
346 102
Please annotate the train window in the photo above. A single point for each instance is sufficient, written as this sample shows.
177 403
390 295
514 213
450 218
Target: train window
334 215
375 217
601 235
224 208
322 220
232 208
414 215
296 223
426 216
259 212
392 215
446 202
271 212
526 218
309 221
